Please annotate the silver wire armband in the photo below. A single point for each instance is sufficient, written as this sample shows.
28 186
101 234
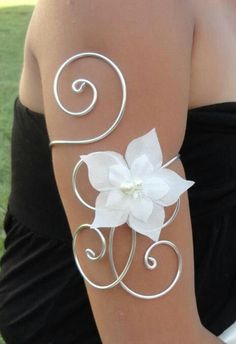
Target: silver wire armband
133 189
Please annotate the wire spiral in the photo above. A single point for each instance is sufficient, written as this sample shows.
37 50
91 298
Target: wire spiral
91 255
82 83
150 263
152 266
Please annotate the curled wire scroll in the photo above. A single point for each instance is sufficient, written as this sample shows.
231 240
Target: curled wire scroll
150 263
78 86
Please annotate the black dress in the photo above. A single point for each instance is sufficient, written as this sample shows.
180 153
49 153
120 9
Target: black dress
43 299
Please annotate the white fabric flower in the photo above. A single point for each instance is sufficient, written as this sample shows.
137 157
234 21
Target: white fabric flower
136 189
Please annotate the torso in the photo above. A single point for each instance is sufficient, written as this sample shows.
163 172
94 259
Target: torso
213 75
213 68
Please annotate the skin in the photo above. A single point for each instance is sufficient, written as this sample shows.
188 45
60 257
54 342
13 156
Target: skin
175 55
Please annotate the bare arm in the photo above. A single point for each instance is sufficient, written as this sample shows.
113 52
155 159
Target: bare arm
152 43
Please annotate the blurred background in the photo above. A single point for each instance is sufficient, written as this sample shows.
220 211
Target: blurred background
14 19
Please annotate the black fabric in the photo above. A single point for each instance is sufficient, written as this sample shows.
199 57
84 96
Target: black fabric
34 197
208 154
43 298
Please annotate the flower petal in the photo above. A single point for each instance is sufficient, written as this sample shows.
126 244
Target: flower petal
105 217
151 227
141 208
155 187
177 185
116 199
141 166
147 144
98 164
118 174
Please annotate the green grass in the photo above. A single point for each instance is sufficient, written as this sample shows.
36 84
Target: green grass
14 18
8 3
13 24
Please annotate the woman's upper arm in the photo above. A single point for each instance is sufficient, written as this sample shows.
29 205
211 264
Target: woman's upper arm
151 42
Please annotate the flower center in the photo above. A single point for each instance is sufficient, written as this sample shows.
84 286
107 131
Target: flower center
132 188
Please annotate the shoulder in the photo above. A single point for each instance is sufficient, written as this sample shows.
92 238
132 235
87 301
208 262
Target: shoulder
105 18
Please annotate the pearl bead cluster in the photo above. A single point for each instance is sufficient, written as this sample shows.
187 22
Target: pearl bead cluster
132 188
